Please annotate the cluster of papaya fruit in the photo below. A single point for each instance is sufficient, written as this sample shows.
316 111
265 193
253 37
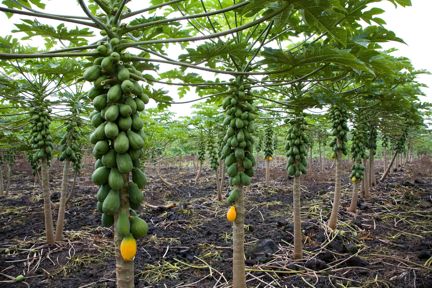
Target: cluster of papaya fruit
358 151
70 149
40 138
201 147
212 151
118 142
373 135
238 141
339 118
296 145
268 142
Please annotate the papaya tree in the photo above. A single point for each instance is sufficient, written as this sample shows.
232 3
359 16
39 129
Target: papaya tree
268 150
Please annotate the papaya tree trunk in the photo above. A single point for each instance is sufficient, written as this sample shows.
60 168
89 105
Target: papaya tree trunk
353 207
385 158
386 172
372 179
337 195
2 190
239 272
221 176
298 243
63 199
320 157
124 269
310 159
198 171
49 226
72 189
366 192
219 192
267 171
8 177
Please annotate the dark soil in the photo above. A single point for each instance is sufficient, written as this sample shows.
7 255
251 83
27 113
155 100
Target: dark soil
387 244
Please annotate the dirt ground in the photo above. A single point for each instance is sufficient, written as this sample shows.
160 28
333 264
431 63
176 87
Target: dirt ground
387 244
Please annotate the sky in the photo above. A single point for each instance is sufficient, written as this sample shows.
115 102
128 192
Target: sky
410 24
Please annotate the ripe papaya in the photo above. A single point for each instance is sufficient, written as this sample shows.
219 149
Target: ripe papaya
125 123
109 159
111 130
92 73
138 227
128 248
114 94
121 143
112 113
107 220
111 204
136 196
115 179
139 178
102 193
135 140
123 224
124 163
100 175
231 214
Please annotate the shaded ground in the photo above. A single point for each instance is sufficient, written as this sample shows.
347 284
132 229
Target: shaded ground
388 244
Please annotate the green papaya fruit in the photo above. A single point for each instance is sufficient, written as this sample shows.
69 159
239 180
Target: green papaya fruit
235 180
121 143
124 163
100 148
112 113
247 164
139 178
230 159
97 119
123 224
137 122
107 220
132 104
99 102
109 159
99 206
102 193
115 179
232 170
138 227
136 196
111 204
92 73
127 86
239 123
235 193
111 130
114 94
100 175
239 153
135 140
107 64
98 164
139 104
125 123
135 154
123 74
245 180
125 110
